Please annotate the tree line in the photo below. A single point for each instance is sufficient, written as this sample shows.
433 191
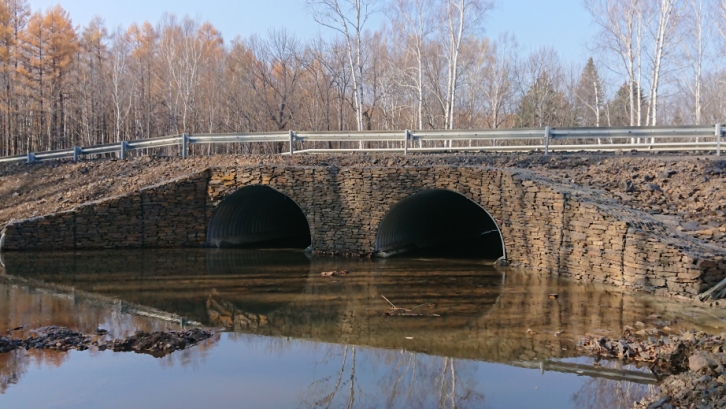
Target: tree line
428 66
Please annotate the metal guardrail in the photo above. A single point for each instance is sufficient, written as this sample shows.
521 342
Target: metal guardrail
708 138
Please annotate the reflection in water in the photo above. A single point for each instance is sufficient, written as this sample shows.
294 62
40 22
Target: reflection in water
12 368
410 380
599 393
24 307
339 323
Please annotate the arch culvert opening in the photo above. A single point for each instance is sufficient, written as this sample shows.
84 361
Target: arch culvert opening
258 217
439 223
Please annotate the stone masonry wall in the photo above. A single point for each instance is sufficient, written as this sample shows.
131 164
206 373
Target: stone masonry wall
545 225
168 215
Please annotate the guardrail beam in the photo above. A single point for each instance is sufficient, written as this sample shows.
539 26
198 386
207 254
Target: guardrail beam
518 138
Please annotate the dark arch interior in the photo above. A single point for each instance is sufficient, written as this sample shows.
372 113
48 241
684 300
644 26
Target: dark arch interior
439 222
258 217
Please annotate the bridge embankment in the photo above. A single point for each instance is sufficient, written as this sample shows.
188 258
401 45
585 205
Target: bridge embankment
688 193
545 222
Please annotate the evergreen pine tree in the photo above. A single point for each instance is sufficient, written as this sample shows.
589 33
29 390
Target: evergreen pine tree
589 97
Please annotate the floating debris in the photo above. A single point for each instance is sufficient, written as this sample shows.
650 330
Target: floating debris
335 273
406 312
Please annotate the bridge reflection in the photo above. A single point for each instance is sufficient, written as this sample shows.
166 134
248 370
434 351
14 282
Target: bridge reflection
478 313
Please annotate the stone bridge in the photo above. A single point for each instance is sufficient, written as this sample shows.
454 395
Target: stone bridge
530 219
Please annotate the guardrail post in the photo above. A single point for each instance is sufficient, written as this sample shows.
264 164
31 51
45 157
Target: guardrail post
76 153
547 140
122 151
405 142
31 157
292 139
719 135
185 146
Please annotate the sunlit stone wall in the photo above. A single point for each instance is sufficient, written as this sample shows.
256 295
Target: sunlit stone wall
545 225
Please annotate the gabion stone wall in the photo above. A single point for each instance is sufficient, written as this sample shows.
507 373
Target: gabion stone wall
545 225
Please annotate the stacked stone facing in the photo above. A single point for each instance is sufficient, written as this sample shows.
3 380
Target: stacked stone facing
545 225
171 214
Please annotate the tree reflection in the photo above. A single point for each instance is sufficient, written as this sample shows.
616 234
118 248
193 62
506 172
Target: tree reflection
603 393
14 364
12 368
409 379
24 307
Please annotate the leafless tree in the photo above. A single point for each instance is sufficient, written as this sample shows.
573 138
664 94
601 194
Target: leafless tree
497 79
461 19
119 86
622 27
348 17
668 17
696 38
414 18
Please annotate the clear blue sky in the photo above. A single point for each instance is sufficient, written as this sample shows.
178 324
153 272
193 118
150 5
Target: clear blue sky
562 24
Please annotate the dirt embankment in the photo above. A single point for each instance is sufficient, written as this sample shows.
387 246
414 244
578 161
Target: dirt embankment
687 193
684 191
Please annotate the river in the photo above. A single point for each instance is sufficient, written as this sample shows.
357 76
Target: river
393 333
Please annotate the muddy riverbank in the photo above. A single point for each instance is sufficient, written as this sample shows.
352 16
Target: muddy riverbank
691 366
57 338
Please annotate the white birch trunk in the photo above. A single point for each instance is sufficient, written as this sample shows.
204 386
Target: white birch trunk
666 9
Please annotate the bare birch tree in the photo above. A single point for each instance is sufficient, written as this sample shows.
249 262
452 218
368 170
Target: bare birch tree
719 17
413 17
620 39
693 55
497 79
428 67
461 18
119 87
666 28
188 64
348 17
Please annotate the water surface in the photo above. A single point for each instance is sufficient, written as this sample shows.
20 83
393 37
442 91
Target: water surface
481 336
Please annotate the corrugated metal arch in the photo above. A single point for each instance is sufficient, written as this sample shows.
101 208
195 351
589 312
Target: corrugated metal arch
433 217
258 214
